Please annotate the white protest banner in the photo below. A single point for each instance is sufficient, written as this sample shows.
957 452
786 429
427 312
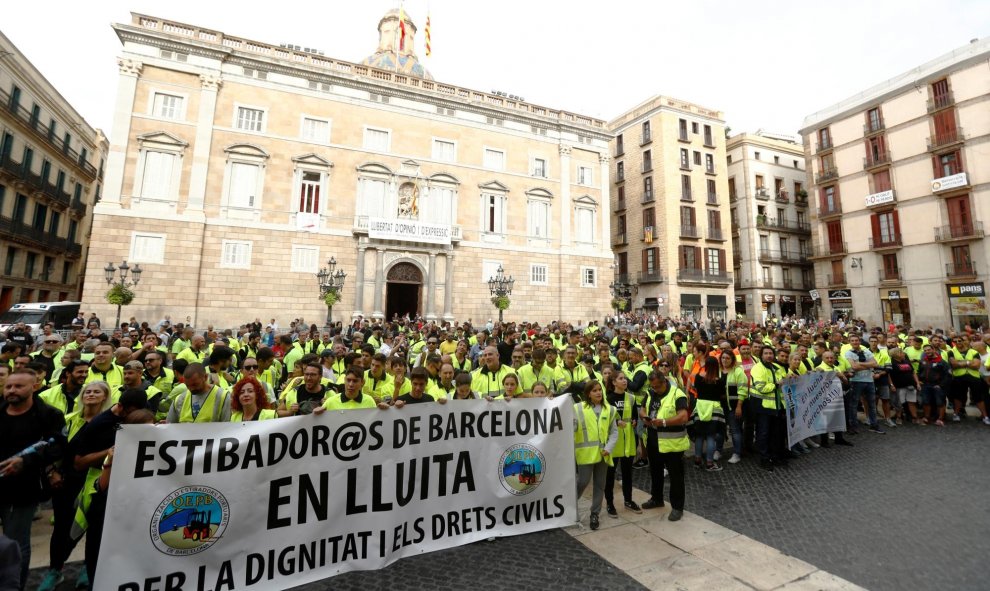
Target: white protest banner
275 504
814 405
408 231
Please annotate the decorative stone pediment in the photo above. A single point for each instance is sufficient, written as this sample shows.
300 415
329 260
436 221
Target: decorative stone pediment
586 200
539 193
161 138
312 160
494 186
249 150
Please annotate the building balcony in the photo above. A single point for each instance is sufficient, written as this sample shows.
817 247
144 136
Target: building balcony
960 270
783 196
620 204
686 195
829 250
837 280
620 239
785 256
825 175
873 128
622 278
620 176
41 188
361 227
712 199
647 166
712 170
39 130
801 200
885 242
959 233
689 231
828 209
715 234
889 275
942 101
17 231
876 160
654 276
647 197
701 276
762 193
946 139
788 284
824 146
619 150
782 225
709 143
683 136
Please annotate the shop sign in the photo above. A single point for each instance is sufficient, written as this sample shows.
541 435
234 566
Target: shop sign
839 294
966 290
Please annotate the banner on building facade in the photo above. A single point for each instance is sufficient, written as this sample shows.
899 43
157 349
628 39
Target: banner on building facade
408 231
814 405
275 504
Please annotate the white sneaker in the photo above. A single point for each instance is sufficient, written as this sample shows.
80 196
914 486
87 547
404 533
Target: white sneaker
718 456
986 420
665 473
891 423
735 459
956 418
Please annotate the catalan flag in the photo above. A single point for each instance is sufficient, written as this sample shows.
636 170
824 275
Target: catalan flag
428 49
402 28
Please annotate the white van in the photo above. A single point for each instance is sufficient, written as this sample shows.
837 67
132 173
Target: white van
36 315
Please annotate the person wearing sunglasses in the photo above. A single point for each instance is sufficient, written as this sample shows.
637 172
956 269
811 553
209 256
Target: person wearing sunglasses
49 355
250 370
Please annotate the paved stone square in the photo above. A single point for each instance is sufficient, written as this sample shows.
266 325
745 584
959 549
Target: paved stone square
899 511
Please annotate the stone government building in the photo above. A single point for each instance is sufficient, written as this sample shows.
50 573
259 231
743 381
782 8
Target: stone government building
237 168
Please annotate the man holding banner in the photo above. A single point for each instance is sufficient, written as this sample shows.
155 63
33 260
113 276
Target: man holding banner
767 376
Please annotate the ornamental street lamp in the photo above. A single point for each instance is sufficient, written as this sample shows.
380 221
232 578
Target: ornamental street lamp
120 285
331 285
621 292
500 287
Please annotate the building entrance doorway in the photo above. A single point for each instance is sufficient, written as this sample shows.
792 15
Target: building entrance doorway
403 290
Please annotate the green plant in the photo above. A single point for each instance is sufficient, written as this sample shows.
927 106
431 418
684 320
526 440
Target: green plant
120 295
620 304
501 302
331 298
802 194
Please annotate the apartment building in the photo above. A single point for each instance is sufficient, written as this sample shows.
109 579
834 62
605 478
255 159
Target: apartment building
51 165
670 201
902 188
771 226
238 167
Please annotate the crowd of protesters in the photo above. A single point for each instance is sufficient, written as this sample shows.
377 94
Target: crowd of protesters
646 391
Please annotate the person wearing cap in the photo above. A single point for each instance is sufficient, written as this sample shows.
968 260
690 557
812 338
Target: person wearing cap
536 371
134 379
570 373
328 360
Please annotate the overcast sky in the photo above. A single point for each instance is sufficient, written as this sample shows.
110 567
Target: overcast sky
765 64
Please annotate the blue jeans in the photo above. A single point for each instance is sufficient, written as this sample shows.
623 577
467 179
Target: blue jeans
860 390
735 431
16 521
700 442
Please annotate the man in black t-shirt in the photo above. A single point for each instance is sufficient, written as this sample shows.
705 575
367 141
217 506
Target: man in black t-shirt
418 378
24 421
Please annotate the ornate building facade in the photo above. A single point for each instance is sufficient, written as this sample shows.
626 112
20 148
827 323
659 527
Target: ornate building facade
236 168
51 169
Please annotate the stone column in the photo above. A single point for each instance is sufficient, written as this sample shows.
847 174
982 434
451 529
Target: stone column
431 287
359 283
379 283
448 287
210 85
113 185
604 160
565 195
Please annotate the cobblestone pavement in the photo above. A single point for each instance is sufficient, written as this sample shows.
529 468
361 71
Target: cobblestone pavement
551 559
904 510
